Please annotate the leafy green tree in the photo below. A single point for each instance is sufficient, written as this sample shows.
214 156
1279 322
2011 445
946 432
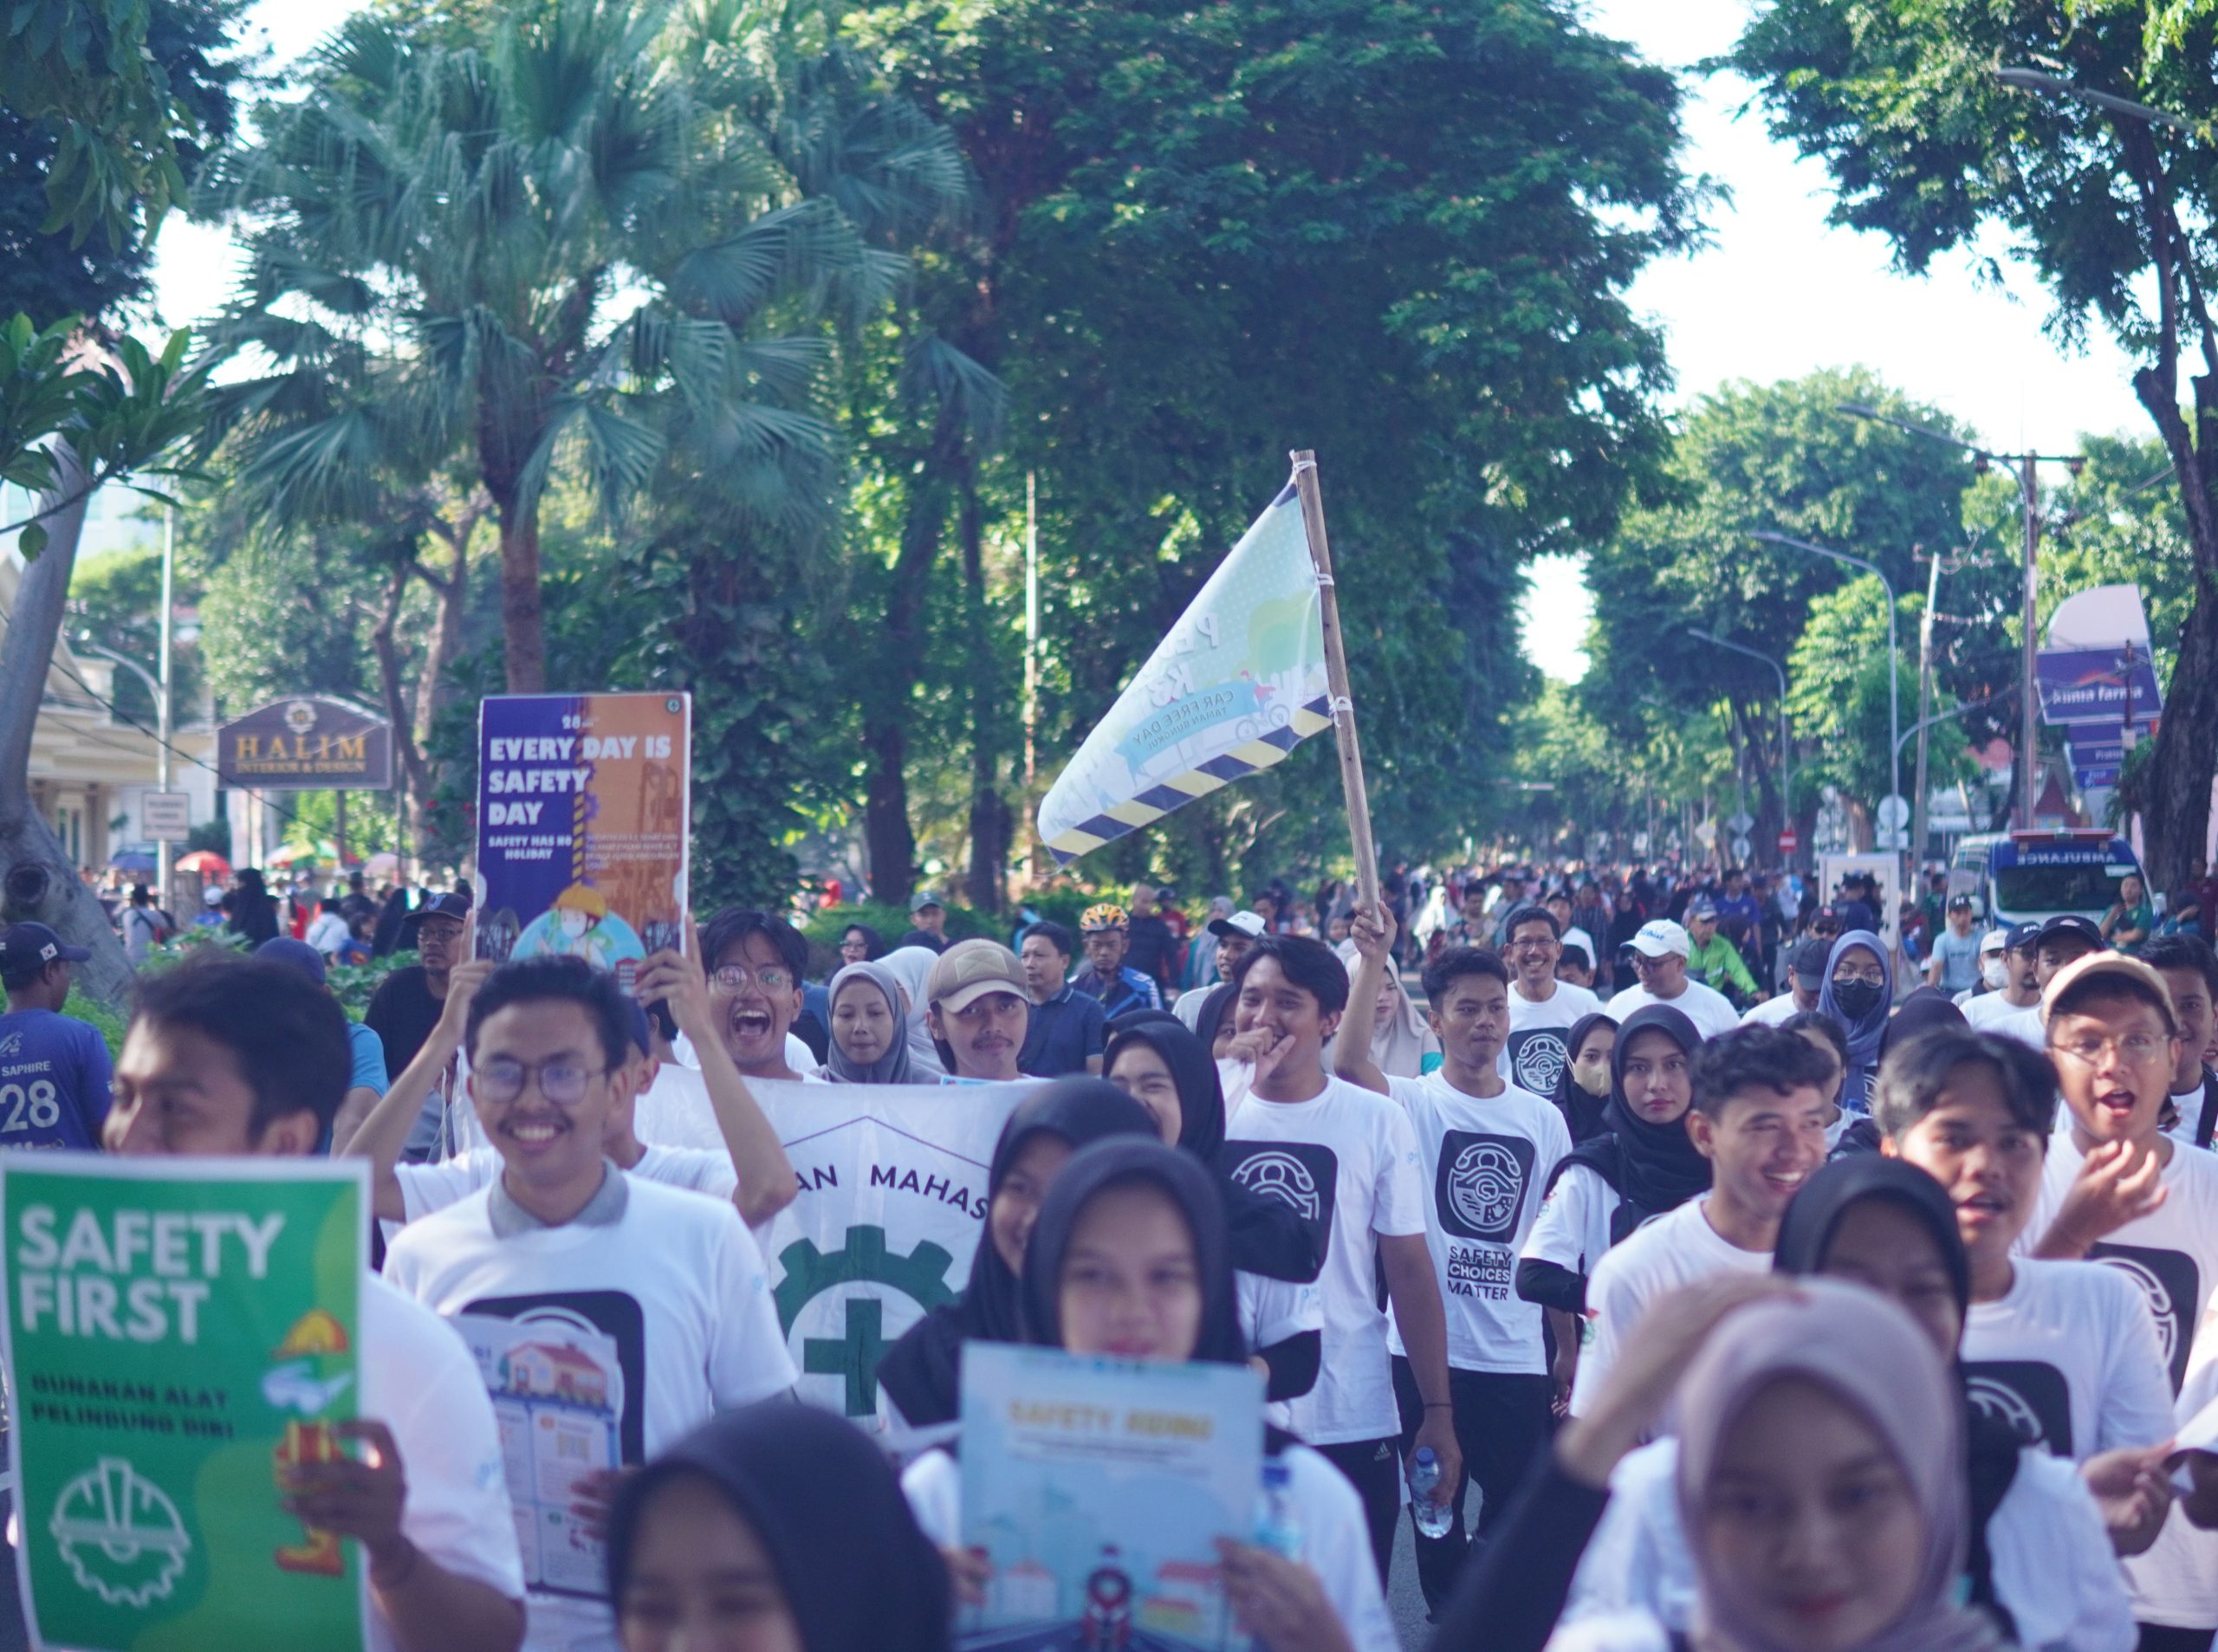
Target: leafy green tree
1901 101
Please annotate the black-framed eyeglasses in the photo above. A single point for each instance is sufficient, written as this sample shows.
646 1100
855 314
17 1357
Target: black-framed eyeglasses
562 1079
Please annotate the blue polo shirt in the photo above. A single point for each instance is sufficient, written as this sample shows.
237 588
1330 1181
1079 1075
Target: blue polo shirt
1068 1031
55 1076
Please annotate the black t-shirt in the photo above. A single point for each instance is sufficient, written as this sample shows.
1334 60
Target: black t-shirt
402 1012
1148 945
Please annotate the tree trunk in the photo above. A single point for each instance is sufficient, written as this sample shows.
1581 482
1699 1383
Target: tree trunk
523 636
887 690
2178 820
989 814
36 880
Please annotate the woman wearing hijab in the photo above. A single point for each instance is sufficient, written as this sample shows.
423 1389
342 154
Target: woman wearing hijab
1583 1087
779 1525
1155 1061
1643 1165
909 968
869 1034
1402 1040
919 1381
1129 1257
1857 992
2031 1559
1922 1011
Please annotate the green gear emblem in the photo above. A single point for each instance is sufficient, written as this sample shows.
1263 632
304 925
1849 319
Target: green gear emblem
921 1276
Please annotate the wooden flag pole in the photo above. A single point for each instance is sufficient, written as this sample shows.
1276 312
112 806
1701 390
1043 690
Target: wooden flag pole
1336 680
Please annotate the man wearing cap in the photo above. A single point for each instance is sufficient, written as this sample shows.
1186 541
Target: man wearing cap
1953 967
1994 968
56 1063
1235 935
2014 1008
408 1002
1806 977
929 918
980 1011
2189 970
1067 1027
2060 942
1105 975
1711 959
1659 951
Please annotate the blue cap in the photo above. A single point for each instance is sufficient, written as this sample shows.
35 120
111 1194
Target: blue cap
293 955
2022 937
26 948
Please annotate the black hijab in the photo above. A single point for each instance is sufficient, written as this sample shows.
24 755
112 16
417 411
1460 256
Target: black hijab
1991 1445
1654 1168
1268 1237
856 1572
923 1371
1582 1113
1194 1190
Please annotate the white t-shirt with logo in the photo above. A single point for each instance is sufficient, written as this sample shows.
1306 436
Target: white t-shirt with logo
419 1380
2068 1358
1674 1249
1572 1229
426 1188
1534 1054
1485 1161
669 1306
1711 1011
1347 1162
2171 1255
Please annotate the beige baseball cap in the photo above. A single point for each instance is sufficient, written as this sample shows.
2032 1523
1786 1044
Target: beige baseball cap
968 971
2117 966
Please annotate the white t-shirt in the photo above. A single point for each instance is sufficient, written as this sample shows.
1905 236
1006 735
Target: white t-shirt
2188 1104
2172 1255
426 1188
2024 1025
1572 1229
419 1380
1335 1543
1534 1055
1772 1011
1485 1161
2050 1556
2068 1358
1710 1011
1674 1249
1985 1013
1347 1161
667 1313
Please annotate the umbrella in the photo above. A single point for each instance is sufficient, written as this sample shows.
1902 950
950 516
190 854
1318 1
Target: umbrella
206 862
131 860
383 864
295 853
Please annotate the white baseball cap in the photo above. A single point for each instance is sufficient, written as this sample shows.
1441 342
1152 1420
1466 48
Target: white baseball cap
1240 922
1994 940
1659 938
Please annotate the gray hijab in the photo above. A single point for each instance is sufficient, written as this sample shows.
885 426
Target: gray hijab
895 1066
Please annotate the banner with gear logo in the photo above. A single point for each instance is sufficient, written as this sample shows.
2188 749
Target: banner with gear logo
892 1207
178 1333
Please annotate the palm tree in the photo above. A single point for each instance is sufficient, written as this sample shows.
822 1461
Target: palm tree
610 230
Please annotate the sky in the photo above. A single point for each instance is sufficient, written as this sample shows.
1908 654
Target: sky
1775 294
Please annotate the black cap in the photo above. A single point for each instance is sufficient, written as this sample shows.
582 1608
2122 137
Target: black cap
1808 960
26 948
453 904
2022 936
2078 927
1960 903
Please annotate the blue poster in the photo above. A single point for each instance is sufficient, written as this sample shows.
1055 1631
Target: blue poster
2097 685
582 809
1098 1489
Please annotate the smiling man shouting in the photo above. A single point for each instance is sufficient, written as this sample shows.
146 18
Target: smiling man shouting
756 964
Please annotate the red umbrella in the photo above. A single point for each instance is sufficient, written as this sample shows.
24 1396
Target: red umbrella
206 862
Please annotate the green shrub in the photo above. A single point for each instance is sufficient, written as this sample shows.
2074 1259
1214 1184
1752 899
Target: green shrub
107 1022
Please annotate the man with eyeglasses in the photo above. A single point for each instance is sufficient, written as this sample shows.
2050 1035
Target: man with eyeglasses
654 1300
1659 950
2117 1190
1541 1008
408 1002
756 963
2013 1009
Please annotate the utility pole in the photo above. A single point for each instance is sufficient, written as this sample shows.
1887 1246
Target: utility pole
163 714
1924 695
2029 484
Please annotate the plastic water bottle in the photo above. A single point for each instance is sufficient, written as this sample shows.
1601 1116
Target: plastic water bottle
1432 1518
1277 1527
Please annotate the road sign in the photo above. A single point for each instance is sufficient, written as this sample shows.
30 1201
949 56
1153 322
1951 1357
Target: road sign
1891 838
1740 822
1788 843
1894 812
166 817
1742 849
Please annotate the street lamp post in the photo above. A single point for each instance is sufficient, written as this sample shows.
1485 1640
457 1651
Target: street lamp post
1786 750
1894 653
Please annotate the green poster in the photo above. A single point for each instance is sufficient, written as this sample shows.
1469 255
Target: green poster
176 1330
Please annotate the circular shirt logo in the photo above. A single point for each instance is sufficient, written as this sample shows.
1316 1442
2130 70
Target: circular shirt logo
1539 1061
2160 1300
2007 1405
1484 1186
1284 1178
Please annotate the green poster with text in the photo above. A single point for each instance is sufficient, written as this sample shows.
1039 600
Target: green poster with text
178 1332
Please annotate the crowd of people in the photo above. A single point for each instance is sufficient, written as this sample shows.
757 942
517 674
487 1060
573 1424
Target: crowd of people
1692 1265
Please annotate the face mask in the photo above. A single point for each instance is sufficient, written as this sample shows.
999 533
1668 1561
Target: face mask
1856 999
1603 1093
1995 973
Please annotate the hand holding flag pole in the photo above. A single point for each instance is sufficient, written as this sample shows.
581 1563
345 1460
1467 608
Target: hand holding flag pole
1336 680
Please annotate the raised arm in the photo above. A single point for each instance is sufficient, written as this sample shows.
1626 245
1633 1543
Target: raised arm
766 1175
380 1137
1373 930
